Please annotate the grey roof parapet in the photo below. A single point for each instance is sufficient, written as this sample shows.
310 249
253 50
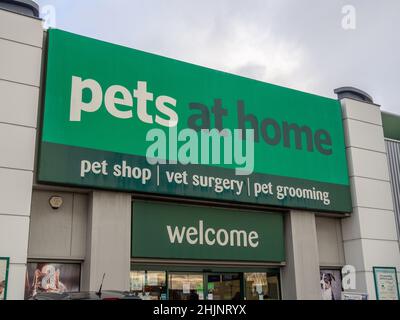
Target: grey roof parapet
26 7
353 93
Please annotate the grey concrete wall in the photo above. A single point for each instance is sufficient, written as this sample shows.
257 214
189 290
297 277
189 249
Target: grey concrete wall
108 241
58 234
330 243
300 276
369 235
20 68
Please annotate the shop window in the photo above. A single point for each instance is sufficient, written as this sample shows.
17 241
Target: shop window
194 285
262 286
183 286
149 285
52 277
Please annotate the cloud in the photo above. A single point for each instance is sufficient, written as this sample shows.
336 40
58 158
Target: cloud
299 44
245 50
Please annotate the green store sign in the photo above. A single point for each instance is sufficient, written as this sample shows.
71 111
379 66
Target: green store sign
190 232
121 119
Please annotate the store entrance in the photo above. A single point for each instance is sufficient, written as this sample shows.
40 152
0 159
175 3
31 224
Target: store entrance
202 285
224 286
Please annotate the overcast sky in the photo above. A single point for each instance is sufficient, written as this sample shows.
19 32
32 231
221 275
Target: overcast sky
299 44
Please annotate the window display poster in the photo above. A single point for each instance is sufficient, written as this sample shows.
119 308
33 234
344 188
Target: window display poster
51 277
386 284
331 284
152 279
137 283
186 288
4 265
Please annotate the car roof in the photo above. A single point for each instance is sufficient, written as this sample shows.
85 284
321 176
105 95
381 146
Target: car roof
89 295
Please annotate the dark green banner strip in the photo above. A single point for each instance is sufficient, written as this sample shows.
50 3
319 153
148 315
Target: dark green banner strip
76 166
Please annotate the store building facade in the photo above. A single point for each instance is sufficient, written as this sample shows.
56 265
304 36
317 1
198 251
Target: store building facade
65 215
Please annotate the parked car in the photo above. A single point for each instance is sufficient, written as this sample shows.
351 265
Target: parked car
104 295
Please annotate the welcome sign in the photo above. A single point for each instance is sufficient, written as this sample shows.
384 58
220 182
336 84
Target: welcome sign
191 232
117 118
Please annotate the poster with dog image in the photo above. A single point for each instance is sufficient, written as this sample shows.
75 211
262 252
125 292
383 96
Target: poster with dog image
331 284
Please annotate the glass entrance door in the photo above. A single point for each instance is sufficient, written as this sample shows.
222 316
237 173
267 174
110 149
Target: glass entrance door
200 286
224 286
206 285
